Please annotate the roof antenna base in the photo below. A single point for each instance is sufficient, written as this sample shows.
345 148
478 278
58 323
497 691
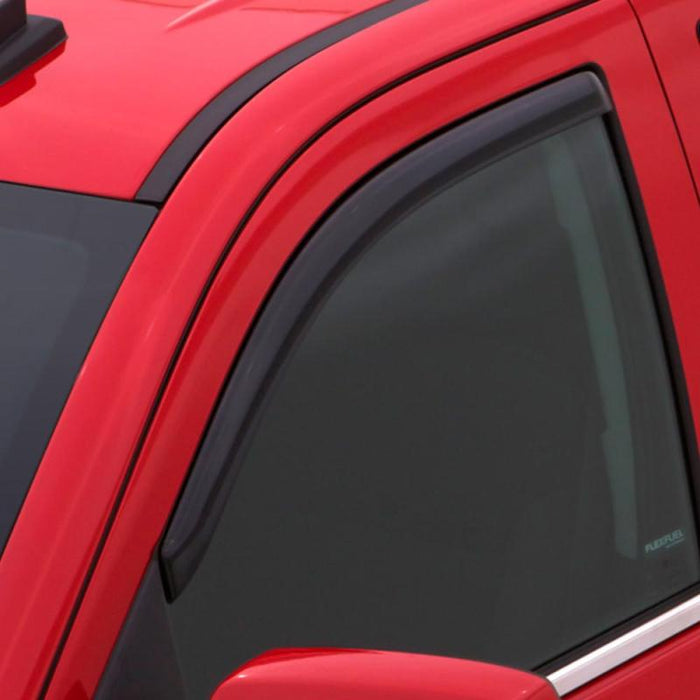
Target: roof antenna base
24 39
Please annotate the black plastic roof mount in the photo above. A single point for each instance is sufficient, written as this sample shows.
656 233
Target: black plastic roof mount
25 38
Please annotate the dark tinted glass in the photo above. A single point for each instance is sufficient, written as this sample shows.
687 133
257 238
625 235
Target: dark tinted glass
62 257
473 449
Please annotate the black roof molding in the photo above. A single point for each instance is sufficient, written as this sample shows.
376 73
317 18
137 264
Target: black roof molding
194 137
25 38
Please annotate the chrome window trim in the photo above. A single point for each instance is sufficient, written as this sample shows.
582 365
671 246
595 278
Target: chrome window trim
626 647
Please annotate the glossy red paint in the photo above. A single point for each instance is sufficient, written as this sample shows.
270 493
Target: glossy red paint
672 29
336 674
132 351
95 115
108 142
70 508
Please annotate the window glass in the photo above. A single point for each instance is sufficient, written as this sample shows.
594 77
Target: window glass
472 450
62 257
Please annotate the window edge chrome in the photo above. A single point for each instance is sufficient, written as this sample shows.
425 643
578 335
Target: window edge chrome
626 647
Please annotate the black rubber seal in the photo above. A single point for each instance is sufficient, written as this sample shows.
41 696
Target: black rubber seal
35 38
191 140
380 203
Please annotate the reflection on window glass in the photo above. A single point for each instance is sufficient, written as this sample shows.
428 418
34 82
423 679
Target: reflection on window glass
27 265
473 449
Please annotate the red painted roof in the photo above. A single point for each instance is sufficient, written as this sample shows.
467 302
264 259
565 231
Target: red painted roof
96 114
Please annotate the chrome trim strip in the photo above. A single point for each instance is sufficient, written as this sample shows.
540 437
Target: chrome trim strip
626 647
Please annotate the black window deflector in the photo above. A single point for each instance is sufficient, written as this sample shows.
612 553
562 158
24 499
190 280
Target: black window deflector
381 202
25 39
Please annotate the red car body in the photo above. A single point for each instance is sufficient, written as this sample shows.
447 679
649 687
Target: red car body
95 116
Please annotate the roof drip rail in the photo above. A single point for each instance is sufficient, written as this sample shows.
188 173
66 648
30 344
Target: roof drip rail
25 38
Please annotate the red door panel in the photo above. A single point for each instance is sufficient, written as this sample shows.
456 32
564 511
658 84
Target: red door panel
667 671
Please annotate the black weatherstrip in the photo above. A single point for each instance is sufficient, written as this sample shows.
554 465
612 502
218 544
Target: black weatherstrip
192 139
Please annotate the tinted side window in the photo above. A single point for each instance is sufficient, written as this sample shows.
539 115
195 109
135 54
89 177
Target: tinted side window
472 449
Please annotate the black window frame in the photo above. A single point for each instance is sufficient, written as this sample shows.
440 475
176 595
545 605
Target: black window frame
386 195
